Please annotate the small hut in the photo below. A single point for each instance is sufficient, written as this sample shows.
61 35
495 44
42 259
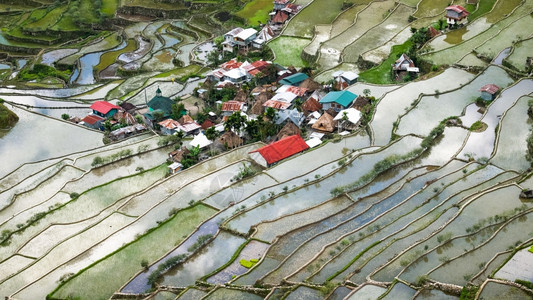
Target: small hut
489 91
178 155
288 130
230 140
310 85
258 108
311 105
325 123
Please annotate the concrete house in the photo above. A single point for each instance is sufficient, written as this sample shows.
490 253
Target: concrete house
229 38
245 37
456 15
338 100
489 91
104 109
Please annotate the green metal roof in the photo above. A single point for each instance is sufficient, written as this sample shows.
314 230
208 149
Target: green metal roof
162 103
294 79
344 98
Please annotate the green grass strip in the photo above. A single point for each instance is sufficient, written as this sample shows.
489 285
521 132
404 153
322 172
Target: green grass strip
105 276
353 260
256 11
232 259
382 73
483 7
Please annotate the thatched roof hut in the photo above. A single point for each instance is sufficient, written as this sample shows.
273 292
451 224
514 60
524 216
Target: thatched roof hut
310 84
241 96
230 140
185 119
325 123
178 155
258 108
288 130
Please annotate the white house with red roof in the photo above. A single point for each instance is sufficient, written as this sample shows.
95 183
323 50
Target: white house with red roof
456 15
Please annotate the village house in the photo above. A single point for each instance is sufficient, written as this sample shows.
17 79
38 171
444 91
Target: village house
325 123
290 115
229 39
348 119
265 34
92 121
232 106
456 15
276 104
343 79
104 109
489 91
280 150
169 126
402 66
295 79
338 100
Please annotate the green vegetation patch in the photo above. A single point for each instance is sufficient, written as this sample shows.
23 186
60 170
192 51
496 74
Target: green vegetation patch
256 11
483 7
101 279
382 73
109 7
40 72
7 117
157 4
248 263
182 74
110 57
47 21
318 12
288 50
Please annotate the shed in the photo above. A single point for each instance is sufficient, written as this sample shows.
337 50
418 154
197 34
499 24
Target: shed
174 168
353 117
92 121
489 91
277 151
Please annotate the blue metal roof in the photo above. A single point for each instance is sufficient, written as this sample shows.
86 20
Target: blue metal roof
344 98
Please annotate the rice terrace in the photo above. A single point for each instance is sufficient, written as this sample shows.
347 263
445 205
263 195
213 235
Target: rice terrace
266 149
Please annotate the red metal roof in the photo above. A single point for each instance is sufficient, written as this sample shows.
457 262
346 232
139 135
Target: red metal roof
490 88
92 119
231 64
280 17
103 107
282 149
170 124
232 105
277 104
207 124
297 90
457 8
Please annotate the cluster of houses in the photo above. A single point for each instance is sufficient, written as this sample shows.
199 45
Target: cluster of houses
118 116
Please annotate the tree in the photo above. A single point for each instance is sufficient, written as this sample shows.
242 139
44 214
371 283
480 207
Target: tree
235 122
298 104
213 58
270 113
178 109
65 116
211 134
107 125
366 92
343 119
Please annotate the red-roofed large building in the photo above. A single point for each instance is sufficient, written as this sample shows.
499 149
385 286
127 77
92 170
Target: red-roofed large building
104 109
456 15
277 151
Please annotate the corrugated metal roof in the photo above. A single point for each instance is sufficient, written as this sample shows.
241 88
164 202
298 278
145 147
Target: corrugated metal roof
282 149
344 98
232 105
490 88
103 107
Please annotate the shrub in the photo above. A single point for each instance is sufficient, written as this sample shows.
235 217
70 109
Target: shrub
144 264
74 195
65 116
